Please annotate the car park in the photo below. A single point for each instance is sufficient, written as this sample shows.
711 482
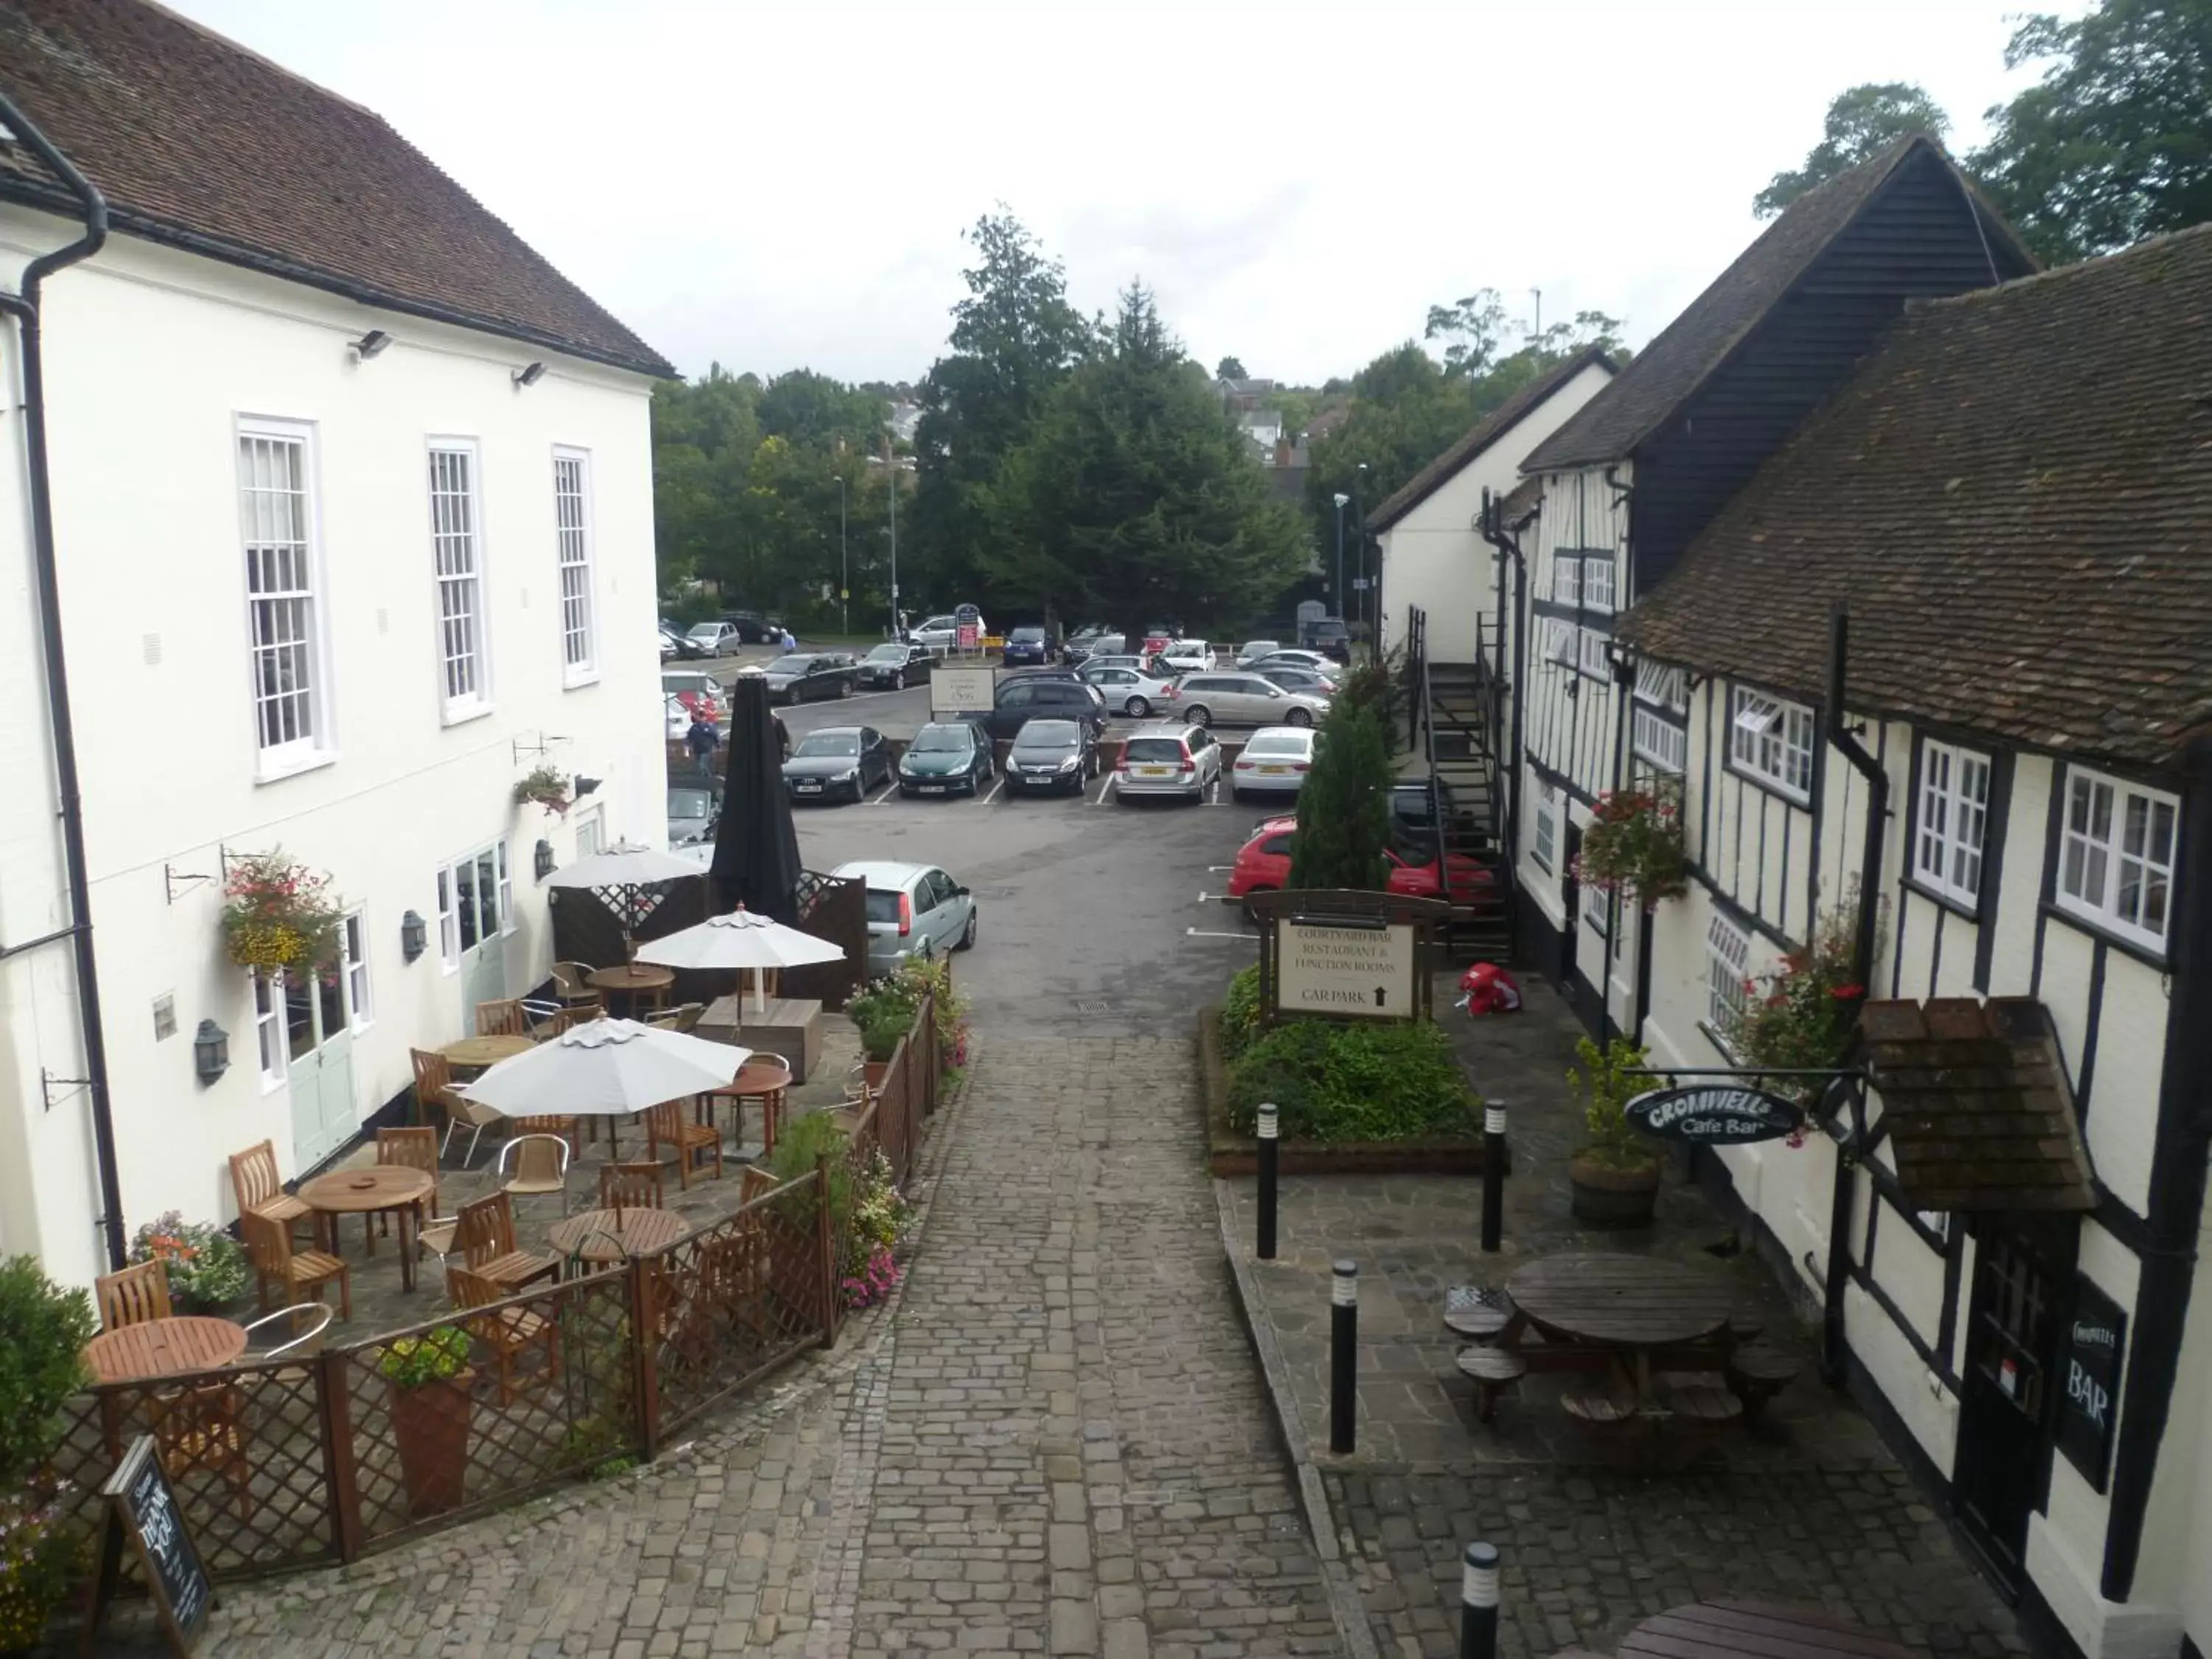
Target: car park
1168 760
839 762
1187 656
698 691
914 910
1306 681
1252 650
807 676
1031 695
1127 691
694 805
1052 757
947 758
1263 866
893 665
711 639
1275 761
1242 700
1026 645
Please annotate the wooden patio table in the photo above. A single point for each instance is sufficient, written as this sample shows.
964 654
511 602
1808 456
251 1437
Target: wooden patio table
1622 1306
763 1079
392 1187
634 981
1753 1629
481 1051
609 1236
164 1347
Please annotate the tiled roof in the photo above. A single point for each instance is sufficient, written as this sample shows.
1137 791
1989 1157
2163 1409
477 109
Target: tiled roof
200 143
2013 495
1660 378
1483 434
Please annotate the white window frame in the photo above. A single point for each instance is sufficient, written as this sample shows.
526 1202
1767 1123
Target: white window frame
592 829
576 572
1727 967
1567 579
1597 581
449 922
1560 645
264 991
506 890
353 964
1657 741
1663 685
1771 740
1597 906
449 900
1950 821
460 595
1544 837
2108 837
1590 655
306 640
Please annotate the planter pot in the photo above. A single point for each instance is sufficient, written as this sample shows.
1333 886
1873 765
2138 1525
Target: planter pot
431 1424
1608 1197
876 1072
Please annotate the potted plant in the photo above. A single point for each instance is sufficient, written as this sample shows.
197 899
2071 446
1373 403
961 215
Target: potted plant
548 786
429 1376
1801 1016
1634 847
1615 1174
277 913
207 1267
796 1271
47 1328
884 1012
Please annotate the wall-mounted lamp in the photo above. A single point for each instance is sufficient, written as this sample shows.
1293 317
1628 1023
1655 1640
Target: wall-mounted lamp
369 344
530 376
586 787
210 1051
414 936
544 859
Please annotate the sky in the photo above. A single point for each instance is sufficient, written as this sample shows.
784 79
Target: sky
772 186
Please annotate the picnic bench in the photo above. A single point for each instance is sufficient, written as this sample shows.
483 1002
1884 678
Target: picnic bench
1754 1629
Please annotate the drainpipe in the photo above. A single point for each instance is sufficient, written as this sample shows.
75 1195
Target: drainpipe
1506 539
24 308
1849 1147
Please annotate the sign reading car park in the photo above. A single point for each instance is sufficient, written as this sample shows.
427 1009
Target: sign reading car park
957 691
1713 1115
1358 972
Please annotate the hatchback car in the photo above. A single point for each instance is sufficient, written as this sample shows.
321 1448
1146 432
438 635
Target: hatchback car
1050 756
945 756
1168 760
753 629
1252 650
840 762
1275 760
1242 700
1312 661
914 910
804 678
1026 645
1329 635
890 667
1263 866
698 691
1187 656
1306 681
714 638
1132 692
694 802
1030 696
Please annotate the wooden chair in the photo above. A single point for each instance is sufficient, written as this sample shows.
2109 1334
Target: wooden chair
484 1231
269 1245
753 1181
255 1187
631 1187
510 1332
411 1148
541 1163
666 1126
568 1018
681 1017
133 1296
504 1018
572 984
434 1085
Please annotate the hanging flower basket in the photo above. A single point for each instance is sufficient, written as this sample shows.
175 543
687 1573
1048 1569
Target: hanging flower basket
277 913
548 788
1634 847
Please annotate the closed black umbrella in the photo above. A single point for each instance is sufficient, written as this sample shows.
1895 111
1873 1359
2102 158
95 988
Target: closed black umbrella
756 845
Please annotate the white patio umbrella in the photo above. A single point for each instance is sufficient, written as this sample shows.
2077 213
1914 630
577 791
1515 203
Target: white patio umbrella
743 939
622 870
606 1068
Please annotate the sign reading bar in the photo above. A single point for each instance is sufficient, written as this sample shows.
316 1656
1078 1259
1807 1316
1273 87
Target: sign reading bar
962 690
142 1514
2089 1366
1360 973
1713 1115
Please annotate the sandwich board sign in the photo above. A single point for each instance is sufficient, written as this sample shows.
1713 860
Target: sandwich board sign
142 1517
957 692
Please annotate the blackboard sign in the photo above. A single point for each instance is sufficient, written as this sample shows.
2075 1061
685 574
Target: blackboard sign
141 1512
1713 1115
2089 1358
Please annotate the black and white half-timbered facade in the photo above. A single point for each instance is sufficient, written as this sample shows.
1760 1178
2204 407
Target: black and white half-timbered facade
1642 468
2012 498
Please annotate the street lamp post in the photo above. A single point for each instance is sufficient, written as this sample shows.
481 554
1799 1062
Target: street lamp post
890 477
1359 530
1337 591
844 566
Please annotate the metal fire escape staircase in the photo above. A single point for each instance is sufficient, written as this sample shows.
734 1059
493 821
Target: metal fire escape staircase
1457 715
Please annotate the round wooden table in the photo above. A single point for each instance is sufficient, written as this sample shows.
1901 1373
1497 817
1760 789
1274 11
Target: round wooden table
164 1347
392 1187
486 1050
639 980
1754 1629
609 1236
763 1078
1619 1300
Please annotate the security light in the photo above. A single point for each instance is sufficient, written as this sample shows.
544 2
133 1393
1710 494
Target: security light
530 375
369 344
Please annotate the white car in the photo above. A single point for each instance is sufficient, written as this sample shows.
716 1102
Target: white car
943 633
1275 760
1187 656
680 719
1128 691
1252 650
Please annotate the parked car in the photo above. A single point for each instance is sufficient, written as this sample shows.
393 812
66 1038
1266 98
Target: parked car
1135 693
1026 645
839 762
1330 636
1078 646
891 665
946 755
1263 865
698 691
1051 756
807 676
1116 659
943 633
1158 636
1168 760
1275 761
1312 661
914 910
1186 657
1029 696
679 719
1414 816
752 627
1306 681
694 804
712 639
1242 700
676 647
1252 650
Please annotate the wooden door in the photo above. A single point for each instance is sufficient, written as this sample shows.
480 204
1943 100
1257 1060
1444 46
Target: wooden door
2005 1404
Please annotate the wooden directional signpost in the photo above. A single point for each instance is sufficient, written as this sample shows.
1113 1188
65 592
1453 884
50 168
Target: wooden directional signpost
1338 954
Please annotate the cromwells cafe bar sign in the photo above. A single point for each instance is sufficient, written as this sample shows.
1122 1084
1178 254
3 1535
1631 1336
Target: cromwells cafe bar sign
1713 1115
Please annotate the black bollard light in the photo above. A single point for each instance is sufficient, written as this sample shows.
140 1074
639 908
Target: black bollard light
1478 1603
1267 1171
1343 1354
1494 1176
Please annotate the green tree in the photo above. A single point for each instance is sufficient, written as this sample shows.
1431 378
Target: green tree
1344 811
1861 121
1230 368
1134 499
2114 143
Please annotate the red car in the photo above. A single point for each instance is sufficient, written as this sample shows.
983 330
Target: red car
1263 865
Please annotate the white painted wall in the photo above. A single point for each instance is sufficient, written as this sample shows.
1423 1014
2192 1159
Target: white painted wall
152 357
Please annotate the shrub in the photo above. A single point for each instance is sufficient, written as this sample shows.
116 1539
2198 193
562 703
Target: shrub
39 1554
206 1266
41 1362
934 979
1609 1079
882 1032
1344 811
1376 687
1334 1081
437 1356
802 1144
1802 1018
1240 1013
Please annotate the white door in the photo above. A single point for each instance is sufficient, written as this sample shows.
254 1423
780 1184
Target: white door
481 898
319 1065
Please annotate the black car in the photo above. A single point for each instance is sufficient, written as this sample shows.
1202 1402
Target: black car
894 666
1415 812
753 629
1075 650
1031 695
1329 636
1051 756
1026 645
807 676
946 756
840 762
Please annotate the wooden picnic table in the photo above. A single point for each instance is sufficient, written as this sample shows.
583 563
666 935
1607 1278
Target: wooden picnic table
609 1236
1753 1629
164 1347
1616 1300
481 1051
384 1187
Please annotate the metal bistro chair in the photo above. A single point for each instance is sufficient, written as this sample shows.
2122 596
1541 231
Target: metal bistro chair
572 984
541 1163
681 1017
434 1085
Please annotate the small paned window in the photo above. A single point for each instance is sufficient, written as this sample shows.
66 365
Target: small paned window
1772 741
1950 820
1728 987
2116 855
1544 838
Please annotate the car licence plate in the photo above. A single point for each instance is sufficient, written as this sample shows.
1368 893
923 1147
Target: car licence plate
933 788
1273 771
1153 771
810 788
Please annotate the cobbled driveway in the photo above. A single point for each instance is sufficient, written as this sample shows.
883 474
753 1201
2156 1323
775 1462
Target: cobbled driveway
1055 1442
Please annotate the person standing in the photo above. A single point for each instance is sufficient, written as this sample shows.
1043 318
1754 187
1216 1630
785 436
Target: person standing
702 739
788 643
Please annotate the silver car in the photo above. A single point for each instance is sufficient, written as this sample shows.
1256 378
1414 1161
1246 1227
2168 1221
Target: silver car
1128 690
1242 700
1168 760
1275 760
914 910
